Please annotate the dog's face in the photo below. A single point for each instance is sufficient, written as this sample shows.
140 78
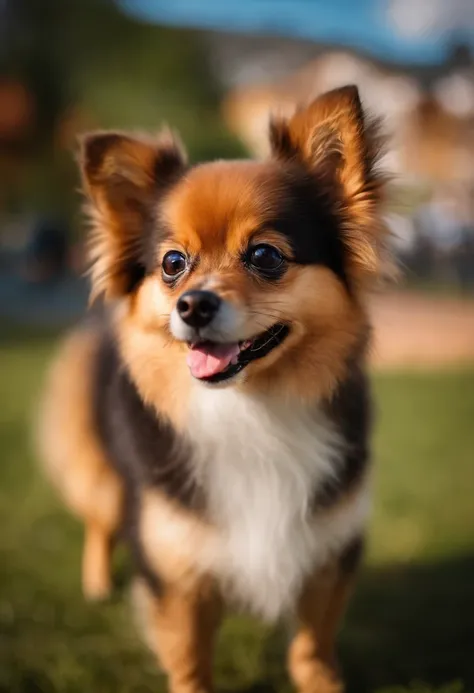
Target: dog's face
246 272
239 269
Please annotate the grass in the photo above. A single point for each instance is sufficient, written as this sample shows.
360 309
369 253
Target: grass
409 628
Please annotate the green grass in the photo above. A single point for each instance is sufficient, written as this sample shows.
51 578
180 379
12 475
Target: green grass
412 619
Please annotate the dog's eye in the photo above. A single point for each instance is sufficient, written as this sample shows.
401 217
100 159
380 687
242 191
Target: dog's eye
265 258
173 264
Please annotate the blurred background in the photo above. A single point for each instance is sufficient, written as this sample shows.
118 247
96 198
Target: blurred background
214 70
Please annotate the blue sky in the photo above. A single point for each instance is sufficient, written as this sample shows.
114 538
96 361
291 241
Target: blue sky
363 24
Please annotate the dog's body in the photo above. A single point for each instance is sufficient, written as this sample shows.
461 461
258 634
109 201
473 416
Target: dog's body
239 473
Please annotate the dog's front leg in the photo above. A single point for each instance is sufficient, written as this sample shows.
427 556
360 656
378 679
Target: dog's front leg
180 628
312 660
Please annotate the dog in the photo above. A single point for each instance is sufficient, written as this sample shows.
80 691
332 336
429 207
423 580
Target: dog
219 411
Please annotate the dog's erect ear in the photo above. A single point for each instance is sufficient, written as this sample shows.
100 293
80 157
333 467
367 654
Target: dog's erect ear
334 140
123 177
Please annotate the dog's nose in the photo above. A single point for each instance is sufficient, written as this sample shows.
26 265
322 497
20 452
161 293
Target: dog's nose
197 308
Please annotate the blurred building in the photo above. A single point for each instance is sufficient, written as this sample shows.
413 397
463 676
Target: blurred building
429 117
428 112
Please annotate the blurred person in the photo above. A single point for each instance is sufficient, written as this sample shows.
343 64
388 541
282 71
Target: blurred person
441 224
46 256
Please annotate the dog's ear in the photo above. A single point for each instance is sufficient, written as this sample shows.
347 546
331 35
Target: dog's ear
336 143
123 178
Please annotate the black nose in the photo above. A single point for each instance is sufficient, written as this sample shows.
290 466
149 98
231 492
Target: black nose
197 308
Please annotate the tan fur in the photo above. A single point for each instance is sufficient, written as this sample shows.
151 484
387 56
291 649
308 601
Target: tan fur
326 326
139 197
212 213
311 658
170 537
96 560
143 603
180 629
156 362
122 176
74 460
326 322
342 146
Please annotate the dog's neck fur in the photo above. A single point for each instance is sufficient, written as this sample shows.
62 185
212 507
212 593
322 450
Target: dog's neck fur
268 474
259 461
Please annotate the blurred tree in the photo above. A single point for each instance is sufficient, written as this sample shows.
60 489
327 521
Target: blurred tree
84 64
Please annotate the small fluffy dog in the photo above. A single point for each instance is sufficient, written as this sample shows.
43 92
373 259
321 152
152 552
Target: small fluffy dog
219 413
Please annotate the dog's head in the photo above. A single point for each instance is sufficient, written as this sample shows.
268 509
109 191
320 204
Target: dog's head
243 271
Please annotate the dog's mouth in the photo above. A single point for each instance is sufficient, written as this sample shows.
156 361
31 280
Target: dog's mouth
214 362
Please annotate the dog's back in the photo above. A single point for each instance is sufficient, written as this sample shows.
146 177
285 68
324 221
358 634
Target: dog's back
72 455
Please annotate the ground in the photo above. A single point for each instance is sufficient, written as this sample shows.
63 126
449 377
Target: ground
422 330
412 616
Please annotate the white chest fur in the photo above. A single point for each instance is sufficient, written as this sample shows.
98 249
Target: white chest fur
260 462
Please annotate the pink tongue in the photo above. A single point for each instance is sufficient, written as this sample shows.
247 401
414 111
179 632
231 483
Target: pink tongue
208 359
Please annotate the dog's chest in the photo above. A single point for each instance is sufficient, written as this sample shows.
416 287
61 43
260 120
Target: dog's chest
259 463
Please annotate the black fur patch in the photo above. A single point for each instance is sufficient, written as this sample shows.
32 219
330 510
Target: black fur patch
144 450
307 216
310 222
350 410
351 556
148 453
